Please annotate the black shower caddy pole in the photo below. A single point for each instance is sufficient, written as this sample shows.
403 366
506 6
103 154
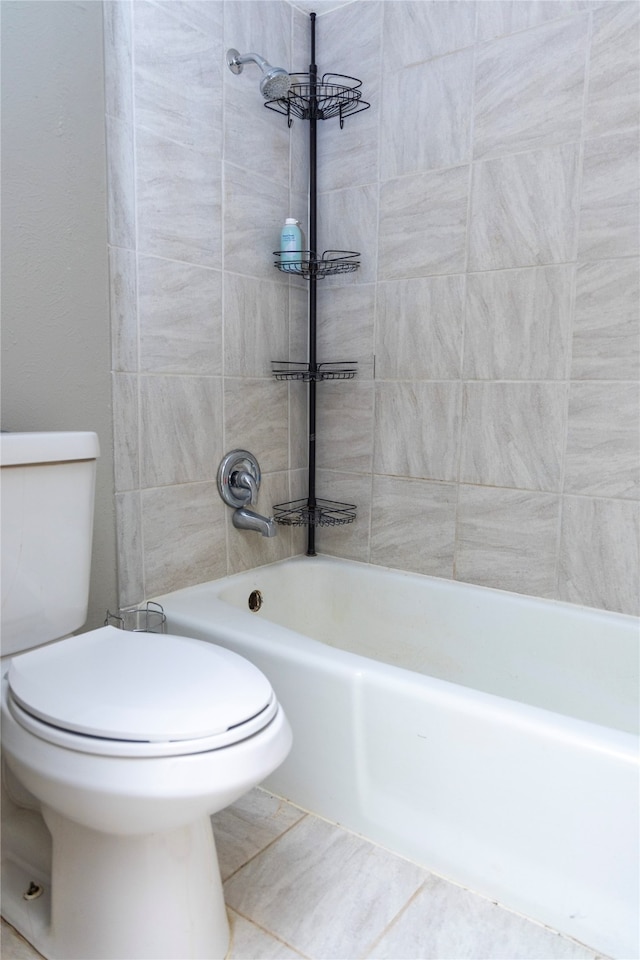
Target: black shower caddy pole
313 246
313 99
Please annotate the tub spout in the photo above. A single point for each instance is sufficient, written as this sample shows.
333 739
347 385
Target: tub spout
245 519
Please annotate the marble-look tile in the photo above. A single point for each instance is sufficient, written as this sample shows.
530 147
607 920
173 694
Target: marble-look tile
15 947
347 220
248 549
417 429
440 94
353 35
345 425
610 208
613 103
508 539
298 166
178 190
524 209
256 419
497 18
131 590
349 540
124 309
600 553
300 29
125 431
180 317
419 30
413 525
255 209
529 89
181 429
423 223
254 138
249 942
304 7
298 425
513 435
606 331
518 324
248 826
349 44
261 25
347 157
317 873
118 53
603 443
207 17
345 324
184 536
121 188
299 319
256 325
419 328
444 920
177 79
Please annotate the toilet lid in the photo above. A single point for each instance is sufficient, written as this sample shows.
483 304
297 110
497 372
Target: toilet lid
147 687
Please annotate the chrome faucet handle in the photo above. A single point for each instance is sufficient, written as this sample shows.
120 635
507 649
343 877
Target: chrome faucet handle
239 479
246 481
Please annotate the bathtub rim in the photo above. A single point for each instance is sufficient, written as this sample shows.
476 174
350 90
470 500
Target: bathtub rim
598 613
587 733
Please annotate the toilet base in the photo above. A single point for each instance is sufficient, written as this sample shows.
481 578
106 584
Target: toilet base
149 897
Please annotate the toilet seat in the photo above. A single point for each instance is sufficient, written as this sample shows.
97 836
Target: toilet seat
115 693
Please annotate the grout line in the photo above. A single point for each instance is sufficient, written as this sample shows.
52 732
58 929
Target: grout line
263 929
376 941
268 845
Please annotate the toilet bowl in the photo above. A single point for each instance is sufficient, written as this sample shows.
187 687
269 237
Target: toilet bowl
130 741
117 747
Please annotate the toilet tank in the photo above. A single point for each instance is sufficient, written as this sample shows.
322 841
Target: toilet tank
47 483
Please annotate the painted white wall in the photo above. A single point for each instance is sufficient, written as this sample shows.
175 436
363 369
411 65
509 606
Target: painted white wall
56 352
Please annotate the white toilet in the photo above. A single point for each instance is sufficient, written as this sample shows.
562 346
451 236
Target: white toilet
125 743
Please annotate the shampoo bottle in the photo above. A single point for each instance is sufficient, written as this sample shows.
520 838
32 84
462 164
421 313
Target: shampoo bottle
291 246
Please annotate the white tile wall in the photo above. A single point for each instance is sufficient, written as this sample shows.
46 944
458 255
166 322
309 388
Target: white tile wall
492 190
506 266
199 184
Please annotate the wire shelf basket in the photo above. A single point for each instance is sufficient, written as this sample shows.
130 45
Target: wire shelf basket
148 619
320 513
334 95
308 264
293 370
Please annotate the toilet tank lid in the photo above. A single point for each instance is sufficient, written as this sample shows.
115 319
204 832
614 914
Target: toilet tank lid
47 447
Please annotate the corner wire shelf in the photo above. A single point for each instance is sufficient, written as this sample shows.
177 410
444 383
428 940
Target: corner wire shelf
307 264
320 513
334 95
293 370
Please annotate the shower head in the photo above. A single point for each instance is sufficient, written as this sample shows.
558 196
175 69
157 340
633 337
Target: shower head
275 84
275 81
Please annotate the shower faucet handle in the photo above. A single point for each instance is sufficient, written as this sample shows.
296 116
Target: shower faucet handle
246 480
239 478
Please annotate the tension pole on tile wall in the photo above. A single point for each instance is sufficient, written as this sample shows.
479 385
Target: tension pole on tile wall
311 99
313 245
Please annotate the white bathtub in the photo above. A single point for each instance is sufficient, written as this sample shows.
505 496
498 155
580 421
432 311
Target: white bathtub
491 737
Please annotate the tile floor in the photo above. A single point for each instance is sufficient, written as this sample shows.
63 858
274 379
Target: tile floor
299 887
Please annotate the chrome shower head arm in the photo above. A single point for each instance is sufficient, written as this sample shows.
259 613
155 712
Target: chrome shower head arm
275 81
236 60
